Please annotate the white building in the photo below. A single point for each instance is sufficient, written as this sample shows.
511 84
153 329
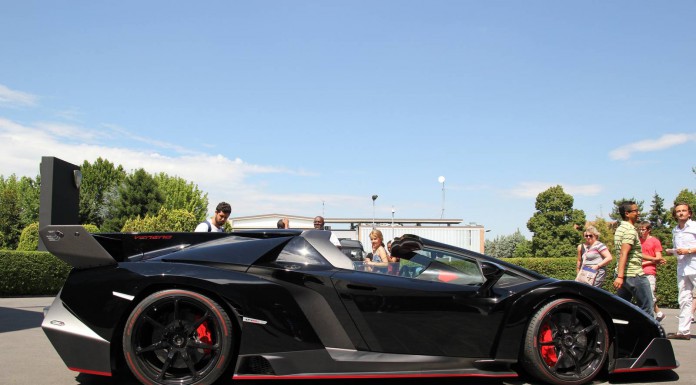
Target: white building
447 231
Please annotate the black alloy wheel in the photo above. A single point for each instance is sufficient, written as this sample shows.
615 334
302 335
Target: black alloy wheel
177 337
566 343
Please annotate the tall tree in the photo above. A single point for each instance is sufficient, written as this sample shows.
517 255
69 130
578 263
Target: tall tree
661 221
138 196
504 246
523 249
100 181
182 195
555 224
29 199
10 212
658 214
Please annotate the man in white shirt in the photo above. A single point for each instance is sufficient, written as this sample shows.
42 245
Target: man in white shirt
217 221
319 225
684 241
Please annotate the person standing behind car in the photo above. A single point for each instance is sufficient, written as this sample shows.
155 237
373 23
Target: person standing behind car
217 221
594 254
389 254
684 240
393 261
630 280
652 256
319 225
379 253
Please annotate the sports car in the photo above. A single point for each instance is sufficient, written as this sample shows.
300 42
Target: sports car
197 308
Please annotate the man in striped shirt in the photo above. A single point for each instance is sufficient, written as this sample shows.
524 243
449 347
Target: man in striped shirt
630 280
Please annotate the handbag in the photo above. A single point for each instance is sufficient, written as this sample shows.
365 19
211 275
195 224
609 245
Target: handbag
586 275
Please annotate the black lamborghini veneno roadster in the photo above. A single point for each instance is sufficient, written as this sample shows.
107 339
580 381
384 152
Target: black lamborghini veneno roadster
195 308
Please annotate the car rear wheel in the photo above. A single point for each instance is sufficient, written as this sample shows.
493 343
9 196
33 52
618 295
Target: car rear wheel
177 337
566 343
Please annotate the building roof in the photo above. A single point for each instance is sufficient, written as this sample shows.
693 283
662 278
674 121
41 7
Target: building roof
358 220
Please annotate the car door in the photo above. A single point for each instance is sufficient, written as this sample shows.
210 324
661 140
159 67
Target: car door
433 306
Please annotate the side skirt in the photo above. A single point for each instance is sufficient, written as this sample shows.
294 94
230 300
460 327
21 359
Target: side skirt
344 363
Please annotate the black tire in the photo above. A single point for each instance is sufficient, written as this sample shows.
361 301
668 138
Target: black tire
566 343
177 337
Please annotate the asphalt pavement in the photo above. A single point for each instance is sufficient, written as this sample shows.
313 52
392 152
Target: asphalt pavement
27 357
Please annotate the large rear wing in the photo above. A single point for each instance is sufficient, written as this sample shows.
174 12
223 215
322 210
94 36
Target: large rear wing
82 250
76 246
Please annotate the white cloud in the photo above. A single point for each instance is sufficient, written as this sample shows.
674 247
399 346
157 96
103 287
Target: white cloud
71 114
224 179
67 132
123 133
532 189
19 143
664 142
583 190
256 201
12 98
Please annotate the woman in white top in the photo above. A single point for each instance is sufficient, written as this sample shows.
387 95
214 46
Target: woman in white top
593 254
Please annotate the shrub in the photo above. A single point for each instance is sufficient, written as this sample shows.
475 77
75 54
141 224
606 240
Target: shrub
29 239
31 273
91 228
165 221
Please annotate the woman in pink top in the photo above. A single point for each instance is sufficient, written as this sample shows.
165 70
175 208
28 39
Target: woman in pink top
652 255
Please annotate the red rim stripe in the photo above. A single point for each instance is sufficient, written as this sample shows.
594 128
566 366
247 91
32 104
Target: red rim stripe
358 376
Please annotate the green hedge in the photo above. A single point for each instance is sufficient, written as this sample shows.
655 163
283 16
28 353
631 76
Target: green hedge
31 273
564 268
40 273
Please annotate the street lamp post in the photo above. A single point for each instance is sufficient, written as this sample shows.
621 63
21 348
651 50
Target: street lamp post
392 237
374 198
441 179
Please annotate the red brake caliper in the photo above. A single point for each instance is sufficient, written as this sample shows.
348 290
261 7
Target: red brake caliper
204 335
548 352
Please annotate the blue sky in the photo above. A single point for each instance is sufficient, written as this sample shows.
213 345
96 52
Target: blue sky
296 107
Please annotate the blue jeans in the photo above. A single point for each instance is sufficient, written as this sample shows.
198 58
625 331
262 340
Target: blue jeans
639 288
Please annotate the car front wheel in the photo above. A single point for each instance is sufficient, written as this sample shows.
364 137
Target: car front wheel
177 337
566 343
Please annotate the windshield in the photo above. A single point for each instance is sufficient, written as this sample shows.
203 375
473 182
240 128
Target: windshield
430 265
